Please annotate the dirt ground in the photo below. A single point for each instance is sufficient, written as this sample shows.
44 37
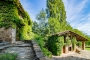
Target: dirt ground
82 55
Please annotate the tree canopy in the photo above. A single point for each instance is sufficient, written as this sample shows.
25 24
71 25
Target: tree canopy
56 16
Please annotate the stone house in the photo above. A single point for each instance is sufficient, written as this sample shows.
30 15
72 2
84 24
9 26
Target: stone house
70 34
14 21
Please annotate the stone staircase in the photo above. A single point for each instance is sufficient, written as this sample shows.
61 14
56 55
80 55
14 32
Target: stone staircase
4 45
24 50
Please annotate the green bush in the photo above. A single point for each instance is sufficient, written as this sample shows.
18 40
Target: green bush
46 52
8 56
79 44
55 44
40 40
74 42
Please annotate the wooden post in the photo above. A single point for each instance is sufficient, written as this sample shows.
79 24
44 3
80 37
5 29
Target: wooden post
83 45
64 49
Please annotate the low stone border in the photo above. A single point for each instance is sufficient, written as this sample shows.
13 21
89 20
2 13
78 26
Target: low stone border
39 54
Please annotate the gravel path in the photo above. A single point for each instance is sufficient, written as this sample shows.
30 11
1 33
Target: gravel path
83 55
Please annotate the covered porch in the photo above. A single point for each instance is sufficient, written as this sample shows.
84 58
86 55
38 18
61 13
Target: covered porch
71 35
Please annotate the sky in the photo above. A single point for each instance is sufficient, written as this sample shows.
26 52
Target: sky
77 12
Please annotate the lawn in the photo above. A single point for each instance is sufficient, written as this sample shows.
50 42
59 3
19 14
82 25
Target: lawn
87 48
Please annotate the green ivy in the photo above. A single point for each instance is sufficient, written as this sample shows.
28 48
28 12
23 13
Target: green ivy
68 41
55 44
79 44
13 15
74 42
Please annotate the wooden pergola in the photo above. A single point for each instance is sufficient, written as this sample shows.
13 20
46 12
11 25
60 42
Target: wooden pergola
73 34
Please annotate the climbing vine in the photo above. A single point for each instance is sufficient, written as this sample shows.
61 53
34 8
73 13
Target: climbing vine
74 41
13 15
55 44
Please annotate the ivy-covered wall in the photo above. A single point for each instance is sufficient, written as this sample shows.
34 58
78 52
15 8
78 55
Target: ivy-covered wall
55 44
13 15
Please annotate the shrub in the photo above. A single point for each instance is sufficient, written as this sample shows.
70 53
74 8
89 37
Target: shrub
8 56
55 44
40 40
74 41
79 44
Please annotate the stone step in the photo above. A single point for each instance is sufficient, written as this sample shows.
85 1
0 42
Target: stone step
19 42
3 43
24 50
22 45
3 47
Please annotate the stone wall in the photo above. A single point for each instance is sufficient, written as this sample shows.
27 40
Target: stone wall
7 35
39 54
13 35
68 49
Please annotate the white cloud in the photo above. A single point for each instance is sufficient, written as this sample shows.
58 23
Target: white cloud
33 7
85 28
29 8
75 16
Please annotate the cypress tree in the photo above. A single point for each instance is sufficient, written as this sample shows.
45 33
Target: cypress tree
56 15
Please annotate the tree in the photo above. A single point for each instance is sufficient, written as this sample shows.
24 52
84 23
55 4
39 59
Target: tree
35 28
56 15
41 27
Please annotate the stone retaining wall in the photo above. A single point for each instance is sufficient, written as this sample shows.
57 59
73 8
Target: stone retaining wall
7 35
39 54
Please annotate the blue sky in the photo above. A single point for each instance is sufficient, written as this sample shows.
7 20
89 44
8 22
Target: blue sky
77 11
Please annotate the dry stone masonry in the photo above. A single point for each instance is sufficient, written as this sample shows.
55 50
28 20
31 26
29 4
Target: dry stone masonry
39 54
7 35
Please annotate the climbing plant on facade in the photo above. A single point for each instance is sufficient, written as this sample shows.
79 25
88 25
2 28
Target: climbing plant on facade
55 44
13 15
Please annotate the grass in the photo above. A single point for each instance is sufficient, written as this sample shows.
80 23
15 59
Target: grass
8 56
87 48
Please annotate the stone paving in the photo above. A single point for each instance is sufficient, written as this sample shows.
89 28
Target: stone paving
24 51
